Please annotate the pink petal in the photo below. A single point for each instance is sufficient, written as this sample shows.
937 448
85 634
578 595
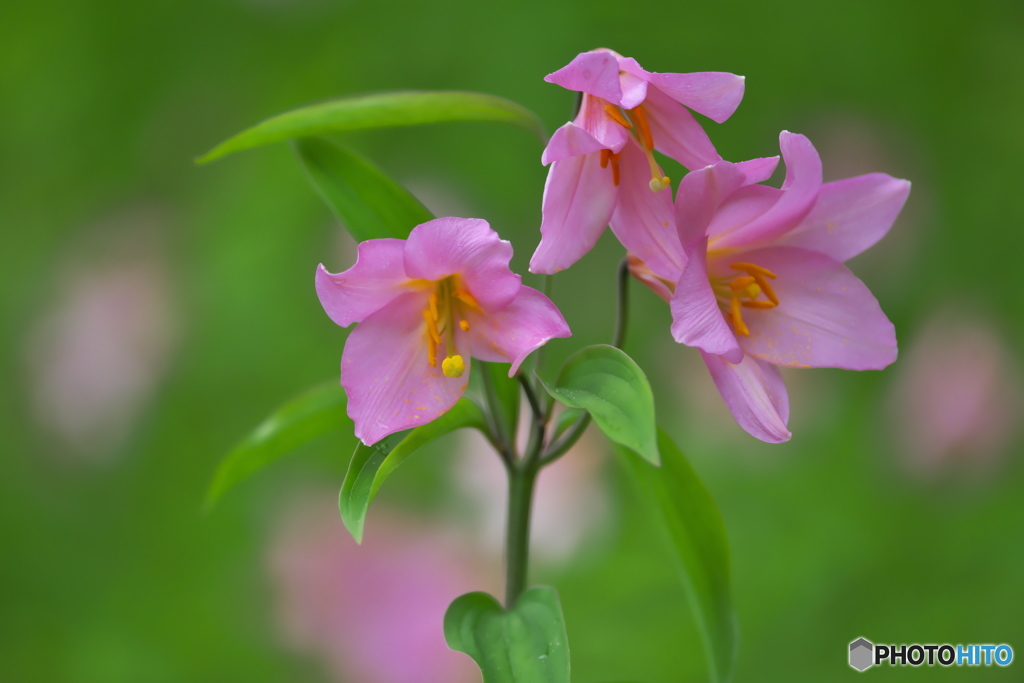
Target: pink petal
755 394
385 373
569 141
758 170
696 318
850 215
634 90
595 73
643 220
714 94
512 334
826 317
699 196
741 208
373 281
579 197
799 192
467 246
676 133
594 119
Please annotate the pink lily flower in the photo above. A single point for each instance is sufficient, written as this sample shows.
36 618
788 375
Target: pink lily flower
764 283
425 305
603 170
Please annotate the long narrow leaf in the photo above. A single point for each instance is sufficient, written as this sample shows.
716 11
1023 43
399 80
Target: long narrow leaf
365 200
698 540
371 465
383 110
318 411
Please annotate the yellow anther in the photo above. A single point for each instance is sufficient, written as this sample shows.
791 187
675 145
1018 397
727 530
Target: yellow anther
659 184
433 306
751 268
741 283
432 331
466 298
767 288
453 366
737 316
615 115
464 324
643 128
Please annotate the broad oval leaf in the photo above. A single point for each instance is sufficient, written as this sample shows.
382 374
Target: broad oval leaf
696 534
526 644
364 198
382 110
610 386
317 411
371 465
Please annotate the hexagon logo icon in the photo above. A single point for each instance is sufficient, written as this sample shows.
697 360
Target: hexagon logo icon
861 651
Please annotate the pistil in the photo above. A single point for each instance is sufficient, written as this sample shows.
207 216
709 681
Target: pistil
440 316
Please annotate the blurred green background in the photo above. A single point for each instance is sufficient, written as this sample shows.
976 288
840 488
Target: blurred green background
153 312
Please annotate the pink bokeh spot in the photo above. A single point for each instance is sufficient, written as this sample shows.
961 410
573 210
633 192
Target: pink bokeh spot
373 612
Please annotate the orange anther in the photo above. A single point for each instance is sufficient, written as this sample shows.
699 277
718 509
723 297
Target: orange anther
615 115
466 298
615 169
752 268
737 317
643 128
605 156
464 324
757 304
741 283
432 331
433 306
765 287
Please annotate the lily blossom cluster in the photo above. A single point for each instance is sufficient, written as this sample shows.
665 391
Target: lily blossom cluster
603 169
425 306
754 274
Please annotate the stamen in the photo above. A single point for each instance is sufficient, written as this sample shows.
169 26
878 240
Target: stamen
741 283
605 156
433 306
432 331
431 352
615 115
453 366
737 316
757 304
766 288
615 169
466 298
752 268
643 128
464 324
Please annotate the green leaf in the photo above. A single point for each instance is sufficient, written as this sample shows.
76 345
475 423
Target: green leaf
610 386
526 644
565 420
698 540
365 200
383 110
371 465
318 411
